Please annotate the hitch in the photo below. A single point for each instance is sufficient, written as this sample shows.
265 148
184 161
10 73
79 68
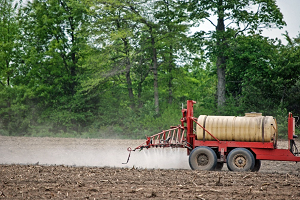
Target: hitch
130 150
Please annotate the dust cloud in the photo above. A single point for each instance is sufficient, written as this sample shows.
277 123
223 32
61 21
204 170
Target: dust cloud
107 153
88 152
162 158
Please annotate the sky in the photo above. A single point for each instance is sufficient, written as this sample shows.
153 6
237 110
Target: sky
291 15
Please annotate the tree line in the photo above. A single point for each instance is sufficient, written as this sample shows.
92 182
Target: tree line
106 68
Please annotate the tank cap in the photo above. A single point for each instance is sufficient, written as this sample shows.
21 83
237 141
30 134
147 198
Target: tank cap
253 114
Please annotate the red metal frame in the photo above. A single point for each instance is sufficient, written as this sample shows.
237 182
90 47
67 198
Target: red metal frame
262 150
174 137
275 154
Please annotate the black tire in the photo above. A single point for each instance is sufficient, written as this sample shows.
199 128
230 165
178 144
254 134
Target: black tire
203 158
240 159
219 166
256 166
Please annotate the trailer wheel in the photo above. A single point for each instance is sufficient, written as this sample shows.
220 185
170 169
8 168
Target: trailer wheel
240 159
219 166
256 166
203 158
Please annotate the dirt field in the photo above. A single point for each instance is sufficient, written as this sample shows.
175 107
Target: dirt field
59 168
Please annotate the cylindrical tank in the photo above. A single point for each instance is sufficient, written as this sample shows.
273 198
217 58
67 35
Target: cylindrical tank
253 127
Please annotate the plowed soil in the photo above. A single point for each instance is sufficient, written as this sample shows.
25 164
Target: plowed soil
60 168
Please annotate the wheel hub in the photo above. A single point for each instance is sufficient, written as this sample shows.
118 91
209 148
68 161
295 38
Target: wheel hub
240 161
202 160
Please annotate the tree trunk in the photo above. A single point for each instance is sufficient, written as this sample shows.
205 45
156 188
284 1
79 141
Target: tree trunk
8 121
171 63
74 59
139 94
170 69
128 77
221 80
221 59
155 65
129 86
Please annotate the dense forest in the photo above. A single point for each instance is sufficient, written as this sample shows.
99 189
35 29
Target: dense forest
125 68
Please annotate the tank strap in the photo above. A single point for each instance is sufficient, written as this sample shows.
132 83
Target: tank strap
263 129
204 121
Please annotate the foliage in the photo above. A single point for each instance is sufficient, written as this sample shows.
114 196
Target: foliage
124 69
233 18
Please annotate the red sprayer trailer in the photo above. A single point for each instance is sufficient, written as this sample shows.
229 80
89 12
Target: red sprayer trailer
241 142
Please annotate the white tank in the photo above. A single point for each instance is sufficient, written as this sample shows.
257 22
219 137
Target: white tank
253 127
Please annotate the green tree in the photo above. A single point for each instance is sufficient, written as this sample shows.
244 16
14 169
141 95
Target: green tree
53 42
263 76
171 17
264 69
287 71
11 111
165 42
150 31
116 33
9 33
250 72
233 18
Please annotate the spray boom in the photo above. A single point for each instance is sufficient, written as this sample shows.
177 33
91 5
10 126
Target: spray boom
173 138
